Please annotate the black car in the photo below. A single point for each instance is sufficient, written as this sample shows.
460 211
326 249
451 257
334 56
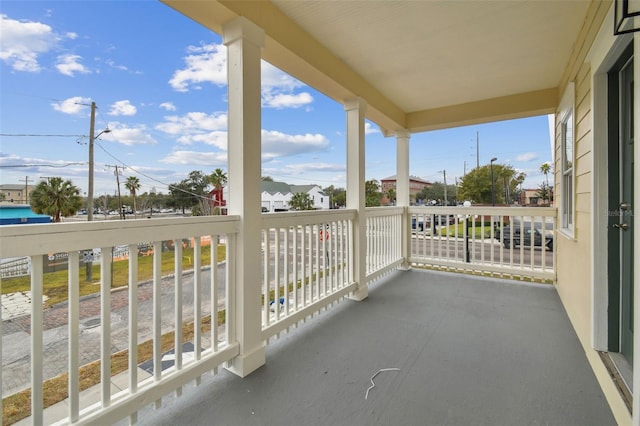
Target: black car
538 238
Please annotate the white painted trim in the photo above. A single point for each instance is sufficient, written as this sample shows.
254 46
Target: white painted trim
605 50
566 107
636 231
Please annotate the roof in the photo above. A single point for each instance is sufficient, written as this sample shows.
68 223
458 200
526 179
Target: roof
11 187
411 178
420 65
274 187
304 188
16 214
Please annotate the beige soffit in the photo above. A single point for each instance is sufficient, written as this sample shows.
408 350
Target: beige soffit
419 65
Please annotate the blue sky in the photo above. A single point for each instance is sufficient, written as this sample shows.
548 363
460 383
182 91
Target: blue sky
159 81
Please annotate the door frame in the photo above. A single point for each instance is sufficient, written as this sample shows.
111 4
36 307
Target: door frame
604 53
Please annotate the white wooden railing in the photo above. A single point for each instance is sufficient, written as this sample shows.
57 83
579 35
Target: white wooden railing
307 265
210 349
384 240
508 241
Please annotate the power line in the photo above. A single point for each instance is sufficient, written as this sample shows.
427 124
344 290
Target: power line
168 185
9 166
41 135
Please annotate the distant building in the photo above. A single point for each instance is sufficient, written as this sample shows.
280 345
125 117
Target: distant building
16 193
416 185
276 195
531 197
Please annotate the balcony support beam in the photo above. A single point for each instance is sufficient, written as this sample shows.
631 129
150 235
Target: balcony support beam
244 41
636 231
402 190
356 197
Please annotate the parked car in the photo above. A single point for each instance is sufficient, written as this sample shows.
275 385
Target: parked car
538 238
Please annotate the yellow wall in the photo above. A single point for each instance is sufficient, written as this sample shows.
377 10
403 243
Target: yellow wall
574 271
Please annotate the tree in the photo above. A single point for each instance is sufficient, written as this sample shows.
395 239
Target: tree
545 168
391 195
436 192
476 185
218 178
301 201
187 193
133 184
267 179
56 197
337 196
544 192
372 193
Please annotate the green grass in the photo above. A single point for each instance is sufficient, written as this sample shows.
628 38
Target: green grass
56 283
477 231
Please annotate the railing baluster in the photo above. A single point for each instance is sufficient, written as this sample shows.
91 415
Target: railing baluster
177 350
105 320
266 243
157 314
74 335
37 272
276 275
133 324
286 270
197 300
214 293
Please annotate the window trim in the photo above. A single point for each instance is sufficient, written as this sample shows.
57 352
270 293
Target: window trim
567 175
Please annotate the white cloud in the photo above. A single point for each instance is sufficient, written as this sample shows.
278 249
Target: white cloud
527 156
70 64
24 41
197 127
286 100
302 168
123 108
277 144
209 159
370 128
208 64
75 105
168 106
128 135
204 64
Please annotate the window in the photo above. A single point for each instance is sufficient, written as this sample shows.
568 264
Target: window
567 171
565 161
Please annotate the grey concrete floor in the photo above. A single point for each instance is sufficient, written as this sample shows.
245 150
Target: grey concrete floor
470 351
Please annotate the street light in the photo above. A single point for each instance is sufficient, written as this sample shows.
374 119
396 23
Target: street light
493 189
92 138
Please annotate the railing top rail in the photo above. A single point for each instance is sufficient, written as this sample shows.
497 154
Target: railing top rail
26 240
272 220
486 210
383 211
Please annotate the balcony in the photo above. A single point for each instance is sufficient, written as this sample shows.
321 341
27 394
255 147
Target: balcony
470 349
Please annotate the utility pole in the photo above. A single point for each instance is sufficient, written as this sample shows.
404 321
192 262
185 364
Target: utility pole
26 189
478 149
465 168
92 126
444 172
117 173
92 138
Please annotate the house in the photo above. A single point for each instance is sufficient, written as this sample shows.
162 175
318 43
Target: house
416 185
15 193
531 197
408 67
276 195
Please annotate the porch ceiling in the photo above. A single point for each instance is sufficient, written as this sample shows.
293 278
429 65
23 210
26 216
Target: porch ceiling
419 65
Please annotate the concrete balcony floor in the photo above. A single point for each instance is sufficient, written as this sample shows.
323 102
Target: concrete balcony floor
471 351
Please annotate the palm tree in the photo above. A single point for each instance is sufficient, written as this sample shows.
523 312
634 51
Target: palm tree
301 201
133 184
56 198
545 168
218 178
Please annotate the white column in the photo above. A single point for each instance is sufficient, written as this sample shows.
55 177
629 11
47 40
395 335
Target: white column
356 199
244 41
402 191
636 228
